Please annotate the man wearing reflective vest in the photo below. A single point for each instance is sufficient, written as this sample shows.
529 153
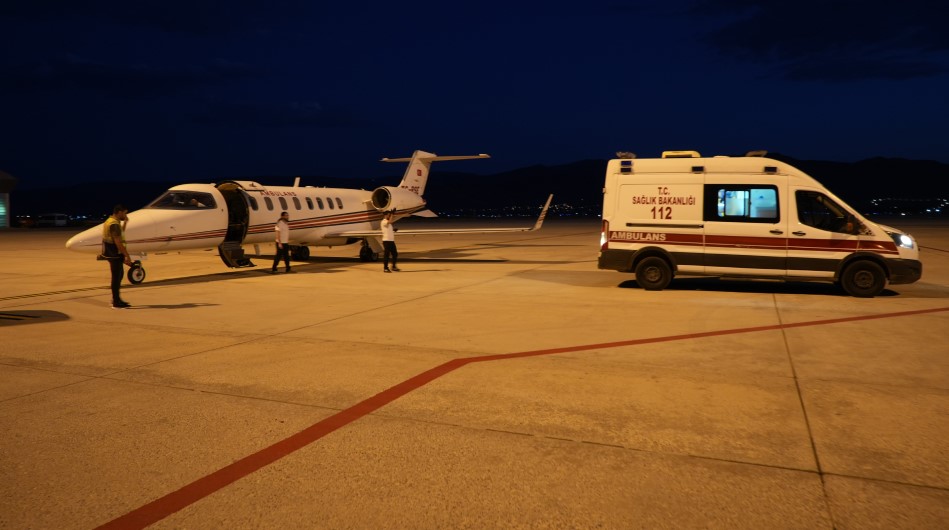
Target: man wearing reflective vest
113 250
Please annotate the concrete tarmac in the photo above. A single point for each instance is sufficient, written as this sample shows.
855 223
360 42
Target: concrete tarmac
499 381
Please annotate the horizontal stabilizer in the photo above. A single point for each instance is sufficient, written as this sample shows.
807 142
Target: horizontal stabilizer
436 158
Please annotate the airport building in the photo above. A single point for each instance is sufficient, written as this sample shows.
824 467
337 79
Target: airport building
7 183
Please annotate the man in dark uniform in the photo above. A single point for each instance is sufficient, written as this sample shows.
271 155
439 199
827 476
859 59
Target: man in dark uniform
113 249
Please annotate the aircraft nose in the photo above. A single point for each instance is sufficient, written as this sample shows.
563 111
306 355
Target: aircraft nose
88 240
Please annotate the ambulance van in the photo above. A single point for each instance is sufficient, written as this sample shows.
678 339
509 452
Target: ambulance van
742 217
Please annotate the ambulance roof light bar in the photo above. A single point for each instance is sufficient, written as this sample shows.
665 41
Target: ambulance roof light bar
681 154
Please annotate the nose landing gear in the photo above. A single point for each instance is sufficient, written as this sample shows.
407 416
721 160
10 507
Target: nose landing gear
136 274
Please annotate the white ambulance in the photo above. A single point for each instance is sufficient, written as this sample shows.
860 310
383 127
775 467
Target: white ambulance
742 217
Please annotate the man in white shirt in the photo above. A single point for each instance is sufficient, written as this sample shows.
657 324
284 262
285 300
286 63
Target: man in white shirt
282 239
388 243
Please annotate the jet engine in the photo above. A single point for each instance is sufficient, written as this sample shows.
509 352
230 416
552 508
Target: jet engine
388 198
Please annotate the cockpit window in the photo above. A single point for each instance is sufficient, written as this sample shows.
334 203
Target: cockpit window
183 200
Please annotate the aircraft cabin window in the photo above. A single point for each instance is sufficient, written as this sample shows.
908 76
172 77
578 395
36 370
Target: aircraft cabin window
269 203
253 202
309 203
329 201
283 204
183 200
319 202
339 202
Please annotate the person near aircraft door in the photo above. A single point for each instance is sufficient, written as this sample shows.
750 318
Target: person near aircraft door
115 252
282 239
388 243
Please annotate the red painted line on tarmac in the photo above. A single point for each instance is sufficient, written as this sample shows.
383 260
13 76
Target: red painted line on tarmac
653 340
177 500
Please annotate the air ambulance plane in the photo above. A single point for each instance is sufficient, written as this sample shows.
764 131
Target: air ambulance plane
234 213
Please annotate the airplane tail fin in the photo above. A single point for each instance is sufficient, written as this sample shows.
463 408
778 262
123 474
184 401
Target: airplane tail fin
416 175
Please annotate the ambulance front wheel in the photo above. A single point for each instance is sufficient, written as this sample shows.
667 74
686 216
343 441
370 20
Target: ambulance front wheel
653 274
863 279
136 274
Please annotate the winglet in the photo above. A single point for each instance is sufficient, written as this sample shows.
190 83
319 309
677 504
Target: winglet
543 213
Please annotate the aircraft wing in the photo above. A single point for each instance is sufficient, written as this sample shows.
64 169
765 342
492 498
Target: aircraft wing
448 231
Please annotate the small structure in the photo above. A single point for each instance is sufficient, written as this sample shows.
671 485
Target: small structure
7 183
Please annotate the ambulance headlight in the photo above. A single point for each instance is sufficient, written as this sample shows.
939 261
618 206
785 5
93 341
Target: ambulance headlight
902 240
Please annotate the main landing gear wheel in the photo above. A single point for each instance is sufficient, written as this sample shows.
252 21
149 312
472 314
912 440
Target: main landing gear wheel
300 253
366 254
653 274
136 274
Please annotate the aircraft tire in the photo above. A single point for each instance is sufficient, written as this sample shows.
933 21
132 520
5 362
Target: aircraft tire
136 273
300 253
366 254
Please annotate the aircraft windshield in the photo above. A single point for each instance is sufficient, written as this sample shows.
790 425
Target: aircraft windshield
183 200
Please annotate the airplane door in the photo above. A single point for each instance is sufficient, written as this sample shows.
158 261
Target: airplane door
231 252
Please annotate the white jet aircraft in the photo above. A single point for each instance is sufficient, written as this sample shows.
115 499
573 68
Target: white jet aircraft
235 213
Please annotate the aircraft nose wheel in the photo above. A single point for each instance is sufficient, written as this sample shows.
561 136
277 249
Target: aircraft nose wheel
136 274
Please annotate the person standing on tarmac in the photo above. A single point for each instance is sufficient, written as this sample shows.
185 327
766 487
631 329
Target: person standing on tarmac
388 243
282 238
114 250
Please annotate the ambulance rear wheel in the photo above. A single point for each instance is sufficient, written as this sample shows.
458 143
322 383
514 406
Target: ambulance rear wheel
653 274
136 274
863 279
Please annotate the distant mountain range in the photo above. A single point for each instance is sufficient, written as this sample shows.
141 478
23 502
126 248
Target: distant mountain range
880 186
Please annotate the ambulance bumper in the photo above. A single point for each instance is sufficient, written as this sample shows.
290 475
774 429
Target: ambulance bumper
616 260
904 270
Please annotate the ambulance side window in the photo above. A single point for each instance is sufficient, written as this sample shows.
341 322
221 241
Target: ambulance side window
820 211
741 203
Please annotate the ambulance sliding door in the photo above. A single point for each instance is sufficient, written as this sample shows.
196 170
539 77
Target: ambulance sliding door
744 231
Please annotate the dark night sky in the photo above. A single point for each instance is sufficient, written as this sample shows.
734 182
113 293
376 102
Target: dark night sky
199 91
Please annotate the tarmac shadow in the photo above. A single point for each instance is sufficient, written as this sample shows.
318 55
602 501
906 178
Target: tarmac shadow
753 286
15 317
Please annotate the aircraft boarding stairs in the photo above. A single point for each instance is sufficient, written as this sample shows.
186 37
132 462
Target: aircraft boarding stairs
232 254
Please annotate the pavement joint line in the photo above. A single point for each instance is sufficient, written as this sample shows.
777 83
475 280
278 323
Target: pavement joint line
74 383
815 454
399 302
51 293
941 489
935 249
209 484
